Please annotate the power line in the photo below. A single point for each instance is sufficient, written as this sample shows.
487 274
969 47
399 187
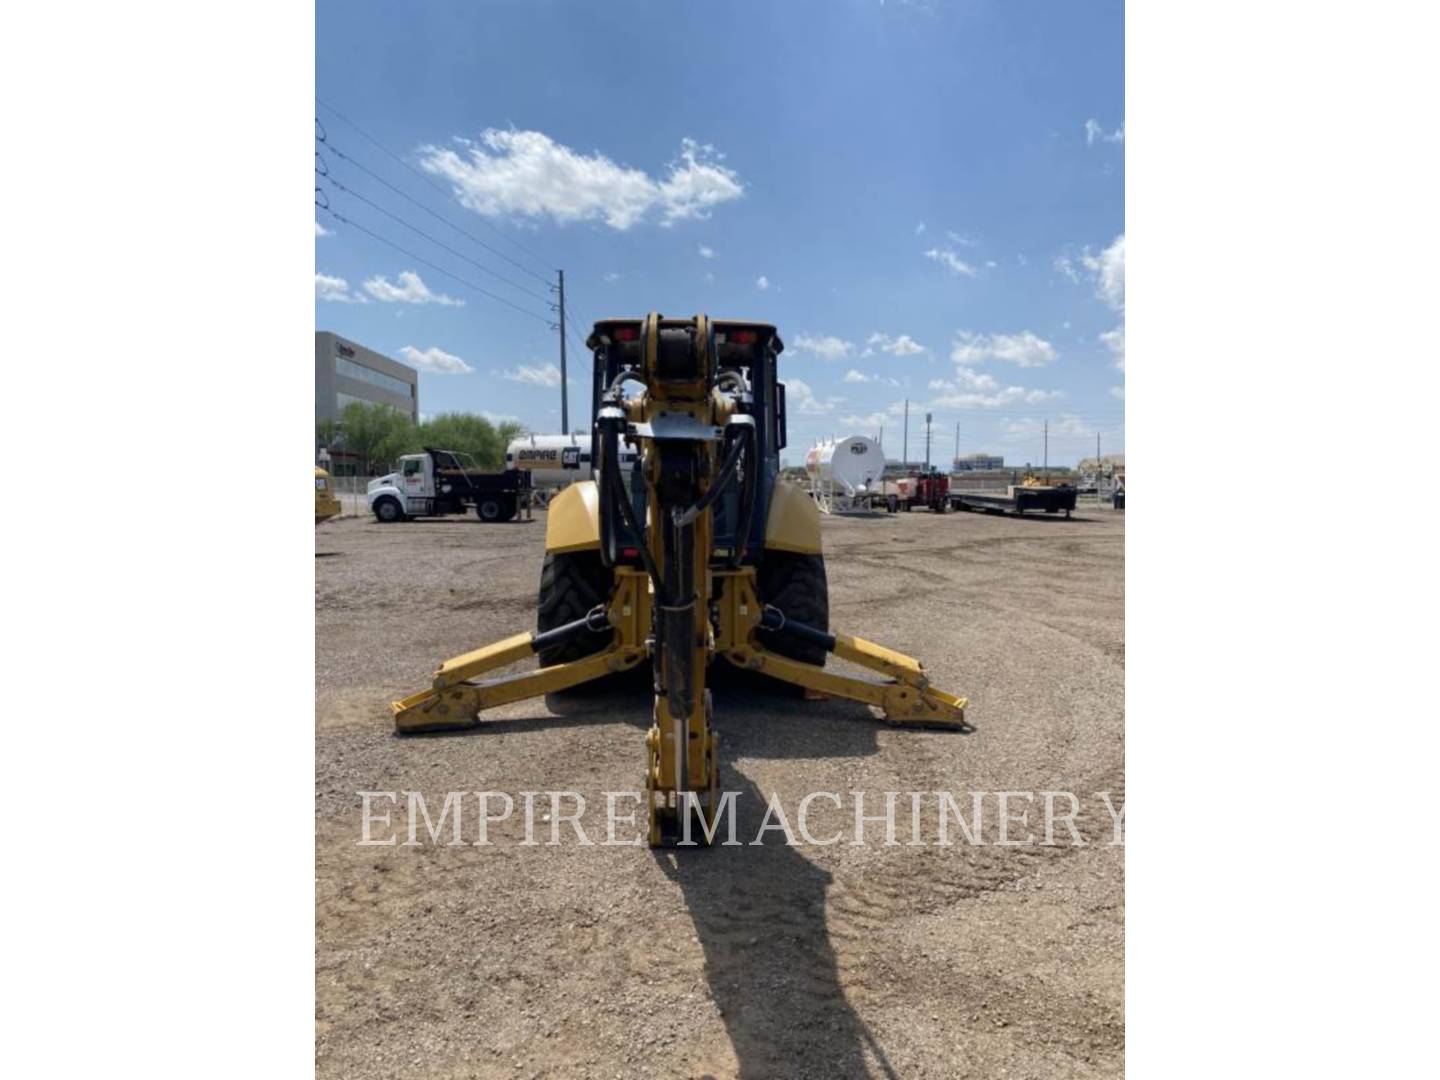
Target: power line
421 232
438 217
426 262
390 153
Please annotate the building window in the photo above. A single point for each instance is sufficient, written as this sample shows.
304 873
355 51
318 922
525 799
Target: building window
343 399
374 378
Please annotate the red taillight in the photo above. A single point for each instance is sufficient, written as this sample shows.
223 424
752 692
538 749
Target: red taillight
626 333
629 553
744 337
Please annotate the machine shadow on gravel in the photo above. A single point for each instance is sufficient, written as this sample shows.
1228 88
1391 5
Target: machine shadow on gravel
759 914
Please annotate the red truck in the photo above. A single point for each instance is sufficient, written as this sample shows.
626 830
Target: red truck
930 490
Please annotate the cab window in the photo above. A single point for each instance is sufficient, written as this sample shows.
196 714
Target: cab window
412 468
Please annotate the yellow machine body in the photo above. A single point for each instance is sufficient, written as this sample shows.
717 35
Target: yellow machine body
326 504
688 604
573 520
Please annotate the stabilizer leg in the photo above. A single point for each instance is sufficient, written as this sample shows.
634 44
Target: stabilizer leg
453 702
907 699
459 705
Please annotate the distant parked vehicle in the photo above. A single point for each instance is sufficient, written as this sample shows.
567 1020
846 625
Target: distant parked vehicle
441 482
326 504
1029 494
930 490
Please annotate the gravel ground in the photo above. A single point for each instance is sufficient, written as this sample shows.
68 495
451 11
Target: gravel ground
758 961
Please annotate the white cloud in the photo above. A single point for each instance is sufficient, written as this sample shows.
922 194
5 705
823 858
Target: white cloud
435 360
613 276
499 418
1065 265
960 238
826 348
853 376
904 345
549 375
1032 428
920 228
335 288
1009 395
1108 269
706 252
1117 392
1024 349
948 258
527 173
800 398
1114 340
965 379
762 283
1093 131
321 230
892 412
411 290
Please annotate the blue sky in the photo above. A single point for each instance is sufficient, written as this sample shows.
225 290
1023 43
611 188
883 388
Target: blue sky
926 198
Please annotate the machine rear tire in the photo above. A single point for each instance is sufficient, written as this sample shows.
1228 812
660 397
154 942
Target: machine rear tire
796 584
571 584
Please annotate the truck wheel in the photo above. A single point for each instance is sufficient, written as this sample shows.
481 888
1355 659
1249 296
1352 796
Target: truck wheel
796 585
571 584
490 508
388 510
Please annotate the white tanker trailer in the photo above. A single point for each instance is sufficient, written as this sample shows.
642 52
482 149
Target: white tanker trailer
842 471
555 461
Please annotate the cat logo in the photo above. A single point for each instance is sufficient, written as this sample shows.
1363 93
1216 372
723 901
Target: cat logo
570 457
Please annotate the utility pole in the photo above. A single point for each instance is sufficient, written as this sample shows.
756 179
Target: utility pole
1046 466
1097 453
564 382
928 418
905 442
956 462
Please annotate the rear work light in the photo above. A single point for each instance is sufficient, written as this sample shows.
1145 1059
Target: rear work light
744 337
626 333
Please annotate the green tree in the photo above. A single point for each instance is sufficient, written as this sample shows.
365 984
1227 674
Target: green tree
326 431
372 432
470 434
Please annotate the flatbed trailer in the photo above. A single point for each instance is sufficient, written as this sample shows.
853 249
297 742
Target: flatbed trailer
1018 500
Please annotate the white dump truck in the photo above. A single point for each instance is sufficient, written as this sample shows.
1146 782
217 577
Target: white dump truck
447 482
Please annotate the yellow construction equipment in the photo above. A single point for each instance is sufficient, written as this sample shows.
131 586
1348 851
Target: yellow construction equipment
695 553
326 504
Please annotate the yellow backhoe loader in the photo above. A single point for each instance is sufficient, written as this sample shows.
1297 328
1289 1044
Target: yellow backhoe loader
694 553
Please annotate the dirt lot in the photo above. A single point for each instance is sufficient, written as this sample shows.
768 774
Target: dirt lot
753 961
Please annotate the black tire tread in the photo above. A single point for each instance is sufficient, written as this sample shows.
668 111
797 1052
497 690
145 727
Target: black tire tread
571 584
796 584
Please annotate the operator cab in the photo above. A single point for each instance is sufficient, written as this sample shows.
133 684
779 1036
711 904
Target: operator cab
746 358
